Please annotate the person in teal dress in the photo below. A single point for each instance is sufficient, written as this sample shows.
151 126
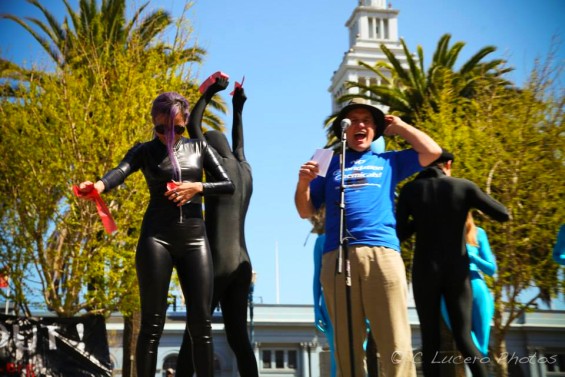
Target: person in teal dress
482 261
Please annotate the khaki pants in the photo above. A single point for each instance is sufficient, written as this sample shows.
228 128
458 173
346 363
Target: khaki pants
378 293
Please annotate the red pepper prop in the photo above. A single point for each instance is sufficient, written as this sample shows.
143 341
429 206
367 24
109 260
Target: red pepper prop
103 212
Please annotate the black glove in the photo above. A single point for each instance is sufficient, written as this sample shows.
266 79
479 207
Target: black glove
238 99
220 84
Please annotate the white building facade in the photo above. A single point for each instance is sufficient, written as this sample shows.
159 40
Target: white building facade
287 344
371 24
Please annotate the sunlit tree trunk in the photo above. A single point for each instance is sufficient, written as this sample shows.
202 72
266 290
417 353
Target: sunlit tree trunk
499 352
131 331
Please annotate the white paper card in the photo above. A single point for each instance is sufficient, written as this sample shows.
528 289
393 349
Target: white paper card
323 158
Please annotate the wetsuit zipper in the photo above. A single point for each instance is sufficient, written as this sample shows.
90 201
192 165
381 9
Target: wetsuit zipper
180 176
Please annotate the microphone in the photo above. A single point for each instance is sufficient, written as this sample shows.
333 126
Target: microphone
345 123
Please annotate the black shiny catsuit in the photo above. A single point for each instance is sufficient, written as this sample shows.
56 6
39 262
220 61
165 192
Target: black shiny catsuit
173 236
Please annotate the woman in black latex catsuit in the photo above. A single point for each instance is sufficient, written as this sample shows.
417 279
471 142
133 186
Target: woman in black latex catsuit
438 205
225 218
173 232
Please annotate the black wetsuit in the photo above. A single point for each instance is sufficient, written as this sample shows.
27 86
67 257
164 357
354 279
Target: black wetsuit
438 205
173 236
225 225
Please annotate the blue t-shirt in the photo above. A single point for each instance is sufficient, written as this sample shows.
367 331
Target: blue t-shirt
370 181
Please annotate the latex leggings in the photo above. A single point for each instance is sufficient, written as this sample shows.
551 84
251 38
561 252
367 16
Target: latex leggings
233 302
234 291
185 247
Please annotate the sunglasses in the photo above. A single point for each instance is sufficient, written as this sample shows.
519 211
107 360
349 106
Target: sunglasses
160 129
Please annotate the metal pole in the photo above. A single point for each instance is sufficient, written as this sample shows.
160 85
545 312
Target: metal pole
251 289
343 253
7 299
309 359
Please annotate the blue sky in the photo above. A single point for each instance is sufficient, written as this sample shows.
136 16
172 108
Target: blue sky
287 51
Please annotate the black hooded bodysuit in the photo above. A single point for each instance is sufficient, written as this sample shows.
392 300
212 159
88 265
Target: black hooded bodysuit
438 206
225 223
173 236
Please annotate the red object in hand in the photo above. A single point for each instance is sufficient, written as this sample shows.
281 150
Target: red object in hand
237 85
171 185
103 211
210 80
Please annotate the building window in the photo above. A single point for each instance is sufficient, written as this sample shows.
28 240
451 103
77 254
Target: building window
375 31
354 34
266 359
292 359
217 364
281 359
555 365
170 362
367 81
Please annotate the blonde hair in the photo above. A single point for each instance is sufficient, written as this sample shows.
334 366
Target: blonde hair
471 231
318 221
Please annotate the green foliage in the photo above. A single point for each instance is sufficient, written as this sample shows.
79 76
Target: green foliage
64 128
510 142
94 35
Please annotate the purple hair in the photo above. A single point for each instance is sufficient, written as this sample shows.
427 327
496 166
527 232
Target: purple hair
171 104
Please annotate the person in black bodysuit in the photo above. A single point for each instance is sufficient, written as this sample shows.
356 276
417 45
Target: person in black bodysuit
173 233
438 205
225 225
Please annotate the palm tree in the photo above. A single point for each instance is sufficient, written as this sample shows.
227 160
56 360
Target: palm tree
101 32
94 30
407 90
9 72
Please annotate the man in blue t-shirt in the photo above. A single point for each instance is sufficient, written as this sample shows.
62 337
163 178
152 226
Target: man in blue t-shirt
378 279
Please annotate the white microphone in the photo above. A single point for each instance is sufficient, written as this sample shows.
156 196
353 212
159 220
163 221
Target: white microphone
345 123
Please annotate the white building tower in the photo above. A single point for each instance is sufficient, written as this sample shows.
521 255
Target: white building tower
371 24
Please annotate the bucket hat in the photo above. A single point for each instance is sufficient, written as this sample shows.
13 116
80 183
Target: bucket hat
360 103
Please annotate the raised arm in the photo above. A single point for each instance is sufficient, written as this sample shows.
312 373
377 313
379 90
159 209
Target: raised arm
195 119
428 150
238 101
